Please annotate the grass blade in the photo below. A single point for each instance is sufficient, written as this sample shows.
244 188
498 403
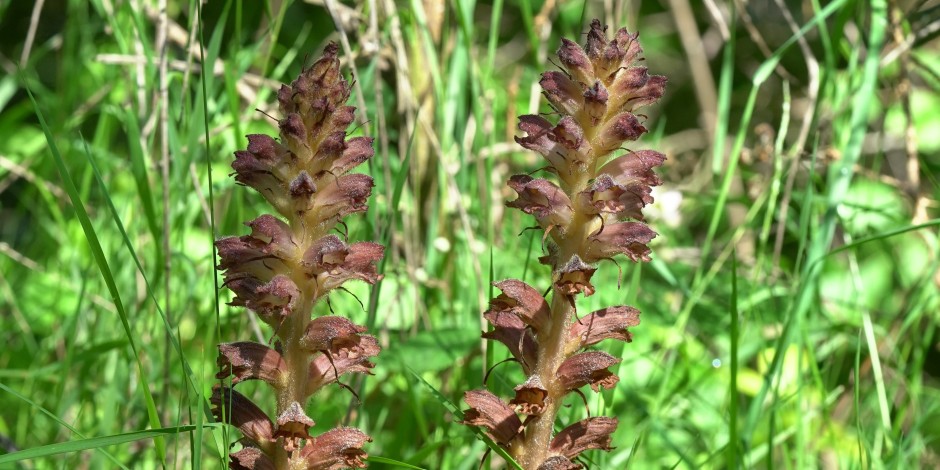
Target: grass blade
459 414
105 269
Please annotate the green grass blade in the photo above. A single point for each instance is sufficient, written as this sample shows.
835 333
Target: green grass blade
724 95
459 415
760 77
388 461
93 443
733 385
174 338
215 275
60 421
105 269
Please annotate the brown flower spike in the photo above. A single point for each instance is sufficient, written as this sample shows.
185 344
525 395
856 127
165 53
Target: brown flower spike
591 213
287 265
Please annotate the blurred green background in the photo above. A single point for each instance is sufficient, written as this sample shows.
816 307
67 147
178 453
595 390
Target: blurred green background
789 315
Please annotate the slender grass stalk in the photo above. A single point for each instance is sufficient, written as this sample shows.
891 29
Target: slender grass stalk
582 216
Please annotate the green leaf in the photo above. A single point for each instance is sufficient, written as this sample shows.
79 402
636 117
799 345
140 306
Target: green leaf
92 443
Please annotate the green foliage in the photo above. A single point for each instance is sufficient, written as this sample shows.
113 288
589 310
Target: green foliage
819 348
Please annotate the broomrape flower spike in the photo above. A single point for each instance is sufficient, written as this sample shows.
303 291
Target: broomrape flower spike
591 213
287 265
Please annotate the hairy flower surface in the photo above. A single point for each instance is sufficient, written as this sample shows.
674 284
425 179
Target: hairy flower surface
287 264
591 211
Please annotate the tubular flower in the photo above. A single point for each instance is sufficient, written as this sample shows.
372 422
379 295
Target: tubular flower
287 264
591 211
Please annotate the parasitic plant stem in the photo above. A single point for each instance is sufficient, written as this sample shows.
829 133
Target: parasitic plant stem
288 265
592 213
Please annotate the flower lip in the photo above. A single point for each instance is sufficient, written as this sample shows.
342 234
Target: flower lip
293 424
561 91
542 199
488 411
588 368
330 333
595 102
247 360
530 397
590 433
250 458
336 449
575 277
233 407
628 238
606 323
510 330
557 462
636 165
522 300
303 186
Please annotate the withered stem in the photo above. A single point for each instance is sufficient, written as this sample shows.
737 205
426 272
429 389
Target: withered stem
551 343
534 448
292 331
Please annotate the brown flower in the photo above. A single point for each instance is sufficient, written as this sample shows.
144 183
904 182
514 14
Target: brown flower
542 199
564 94
272 301
634 167
562 145
588 368
232 407
488 411
247 360
610 322
293 425
331 262
523 301
623 127
250 458
628 238
530 396
590 433
336 449
605 196
339 197
512 331
348 355
635 88
257 165
259 254
575 277
595 102
331 333
577 63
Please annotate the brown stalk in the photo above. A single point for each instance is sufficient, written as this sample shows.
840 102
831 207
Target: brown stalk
287 265
591 214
